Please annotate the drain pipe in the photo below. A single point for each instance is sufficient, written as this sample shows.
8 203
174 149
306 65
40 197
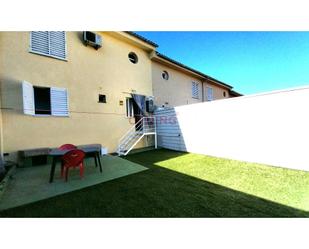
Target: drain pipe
2 169
203 91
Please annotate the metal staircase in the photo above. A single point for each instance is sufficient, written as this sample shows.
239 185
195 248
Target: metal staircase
144 127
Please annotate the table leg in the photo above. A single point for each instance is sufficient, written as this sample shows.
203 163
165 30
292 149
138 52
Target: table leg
98 155
95 159
52 169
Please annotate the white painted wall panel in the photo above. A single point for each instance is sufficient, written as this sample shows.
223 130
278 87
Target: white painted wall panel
270 128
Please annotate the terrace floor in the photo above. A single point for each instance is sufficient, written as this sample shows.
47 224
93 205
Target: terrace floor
180 184
31 184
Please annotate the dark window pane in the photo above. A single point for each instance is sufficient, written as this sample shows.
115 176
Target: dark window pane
42 100
102 98
133 57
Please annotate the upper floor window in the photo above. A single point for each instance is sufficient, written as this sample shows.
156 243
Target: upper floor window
49 43
210 96
133 57
195 90
165 75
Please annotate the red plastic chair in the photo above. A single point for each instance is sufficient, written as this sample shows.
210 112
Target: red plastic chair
66 147
73 159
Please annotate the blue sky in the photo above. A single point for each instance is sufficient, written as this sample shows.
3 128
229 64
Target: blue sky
252 62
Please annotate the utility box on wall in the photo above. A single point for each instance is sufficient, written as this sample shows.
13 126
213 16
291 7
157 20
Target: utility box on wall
92 39
104 151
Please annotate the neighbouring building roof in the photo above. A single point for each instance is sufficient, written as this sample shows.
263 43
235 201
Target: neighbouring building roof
180 64
142 38
191 69
235 94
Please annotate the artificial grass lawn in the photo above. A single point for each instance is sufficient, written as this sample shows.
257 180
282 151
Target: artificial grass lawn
184 185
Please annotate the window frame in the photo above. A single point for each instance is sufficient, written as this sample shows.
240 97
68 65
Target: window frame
50 55
135 57
164 72
29 88
212 93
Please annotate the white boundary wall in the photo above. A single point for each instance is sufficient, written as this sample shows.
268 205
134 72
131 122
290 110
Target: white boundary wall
270 128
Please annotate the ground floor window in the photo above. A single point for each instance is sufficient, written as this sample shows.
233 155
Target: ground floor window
42 100
39 100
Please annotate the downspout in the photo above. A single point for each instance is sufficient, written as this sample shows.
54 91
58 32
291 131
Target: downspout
2 169
202 91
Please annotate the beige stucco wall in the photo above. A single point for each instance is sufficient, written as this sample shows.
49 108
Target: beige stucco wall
177 90
86 73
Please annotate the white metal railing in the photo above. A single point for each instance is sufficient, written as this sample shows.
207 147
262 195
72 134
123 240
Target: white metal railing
145 126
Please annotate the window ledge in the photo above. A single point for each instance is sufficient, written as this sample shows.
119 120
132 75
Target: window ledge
48 55
49 115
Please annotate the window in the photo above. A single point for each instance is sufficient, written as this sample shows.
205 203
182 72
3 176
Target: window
129 107
209 94
44 100
195 90
49 43
133 57
165 75
224 94
102 98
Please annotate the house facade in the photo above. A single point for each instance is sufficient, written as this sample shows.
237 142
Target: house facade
56 89
175 84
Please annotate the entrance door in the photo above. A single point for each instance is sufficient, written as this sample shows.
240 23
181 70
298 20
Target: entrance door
137 115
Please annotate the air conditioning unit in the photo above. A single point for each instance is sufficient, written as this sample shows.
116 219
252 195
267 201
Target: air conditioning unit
92 39
150 107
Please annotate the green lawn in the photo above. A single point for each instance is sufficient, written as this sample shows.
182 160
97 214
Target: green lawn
184 185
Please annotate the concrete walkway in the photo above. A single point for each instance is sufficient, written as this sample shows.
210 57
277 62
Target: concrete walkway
31 184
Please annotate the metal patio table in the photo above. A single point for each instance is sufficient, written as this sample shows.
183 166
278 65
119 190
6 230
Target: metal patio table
90 151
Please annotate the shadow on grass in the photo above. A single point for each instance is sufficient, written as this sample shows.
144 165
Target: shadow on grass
157 192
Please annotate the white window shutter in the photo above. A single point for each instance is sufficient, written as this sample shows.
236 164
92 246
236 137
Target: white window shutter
50 43
40 42
28 98
57 44
195 90
59 101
